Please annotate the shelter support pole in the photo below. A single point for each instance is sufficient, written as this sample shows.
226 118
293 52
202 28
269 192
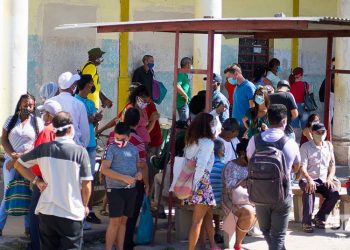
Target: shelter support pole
124 78
14 50
341 120
295 41
173 135
210 62
327 118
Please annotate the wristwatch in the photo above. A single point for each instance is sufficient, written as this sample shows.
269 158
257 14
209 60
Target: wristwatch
36 178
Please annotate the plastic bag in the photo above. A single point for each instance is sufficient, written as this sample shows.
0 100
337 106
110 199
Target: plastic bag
144 233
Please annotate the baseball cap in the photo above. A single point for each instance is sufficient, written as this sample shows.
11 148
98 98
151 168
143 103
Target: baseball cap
216 78
48 90
283 83
96 52
51 106
318 127
66 80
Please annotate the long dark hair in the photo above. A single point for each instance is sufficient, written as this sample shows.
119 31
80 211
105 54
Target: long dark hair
17 112
199 128
255 110
311 119
137 90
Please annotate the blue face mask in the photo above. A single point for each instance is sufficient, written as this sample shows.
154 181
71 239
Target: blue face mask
232 81
259 99
279 69
150 65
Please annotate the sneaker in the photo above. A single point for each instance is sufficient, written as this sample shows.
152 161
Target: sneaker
254 231
307 228
318 223
92 218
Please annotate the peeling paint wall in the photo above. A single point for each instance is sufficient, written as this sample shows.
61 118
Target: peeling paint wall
52 52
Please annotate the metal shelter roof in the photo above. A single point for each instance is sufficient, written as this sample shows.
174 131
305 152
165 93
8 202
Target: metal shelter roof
258 27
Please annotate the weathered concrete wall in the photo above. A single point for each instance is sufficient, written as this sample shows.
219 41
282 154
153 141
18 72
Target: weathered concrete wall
51 52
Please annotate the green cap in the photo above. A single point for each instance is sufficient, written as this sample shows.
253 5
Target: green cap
96 52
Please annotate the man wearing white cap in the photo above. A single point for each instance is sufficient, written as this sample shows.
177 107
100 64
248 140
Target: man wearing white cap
48 110
67 84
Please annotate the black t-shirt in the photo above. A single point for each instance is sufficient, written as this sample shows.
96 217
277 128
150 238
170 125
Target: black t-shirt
144 77
287 100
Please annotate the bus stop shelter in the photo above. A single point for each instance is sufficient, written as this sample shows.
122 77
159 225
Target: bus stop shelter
258 28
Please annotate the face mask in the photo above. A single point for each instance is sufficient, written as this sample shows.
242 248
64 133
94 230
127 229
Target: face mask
191 67
150 65
121 144
25 112
140 103
279 69
259 99
232 81
213 130
319 138
99 60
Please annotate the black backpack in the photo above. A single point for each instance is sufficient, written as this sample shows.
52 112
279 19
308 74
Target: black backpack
268 181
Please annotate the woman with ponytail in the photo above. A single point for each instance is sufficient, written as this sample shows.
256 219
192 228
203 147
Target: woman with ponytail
18 135
297 89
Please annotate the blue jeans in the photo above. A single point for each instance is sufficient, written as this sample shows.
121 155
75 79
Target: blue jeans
183 112
92 156
34 243
301 120
273 222
8 176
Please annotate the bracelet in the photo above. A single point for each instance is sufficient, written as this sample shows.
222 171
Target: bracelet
36 178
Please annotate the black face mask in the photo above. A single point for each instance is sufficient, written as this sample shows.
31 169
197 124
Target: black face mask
93 89
25 112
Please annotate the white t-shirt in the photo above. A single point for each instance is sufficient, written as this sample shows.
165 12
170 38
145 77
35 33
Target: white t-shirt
230 149
63 165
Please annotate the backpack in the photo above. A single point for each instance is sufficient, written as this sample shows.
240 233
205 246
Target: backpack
268 181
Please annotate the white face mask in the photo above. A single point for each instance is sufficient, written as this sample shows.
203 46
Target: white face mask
213 130
140 103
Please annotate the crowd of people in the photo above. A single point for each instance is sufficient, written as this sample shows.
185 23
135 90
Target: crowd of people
53 145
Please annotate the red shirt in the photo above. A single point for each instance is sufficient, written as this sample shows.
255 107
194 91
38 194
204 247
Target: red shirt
230 89
156 133
46 135
297 90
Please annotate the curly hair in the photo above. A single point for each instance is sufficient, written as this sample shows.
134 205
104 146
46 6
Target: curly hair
15 117
199 128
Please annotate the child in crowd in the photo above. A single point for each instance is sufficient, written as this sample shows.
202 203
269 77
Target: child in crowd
120 166
216 183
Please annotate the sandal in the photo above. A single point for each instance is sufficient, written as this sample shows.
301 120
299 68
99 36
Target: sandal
318 223
104 213
307 228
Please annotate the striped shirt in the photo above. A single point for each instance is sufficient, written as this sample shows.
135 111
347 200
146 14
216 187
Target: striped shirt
216 179
63 165
22 136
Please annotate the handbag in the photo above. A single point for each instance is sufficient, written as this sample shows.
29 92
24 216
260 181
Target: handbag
184 183
240 196
18 197
159 92
179 164
309 100
145 229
